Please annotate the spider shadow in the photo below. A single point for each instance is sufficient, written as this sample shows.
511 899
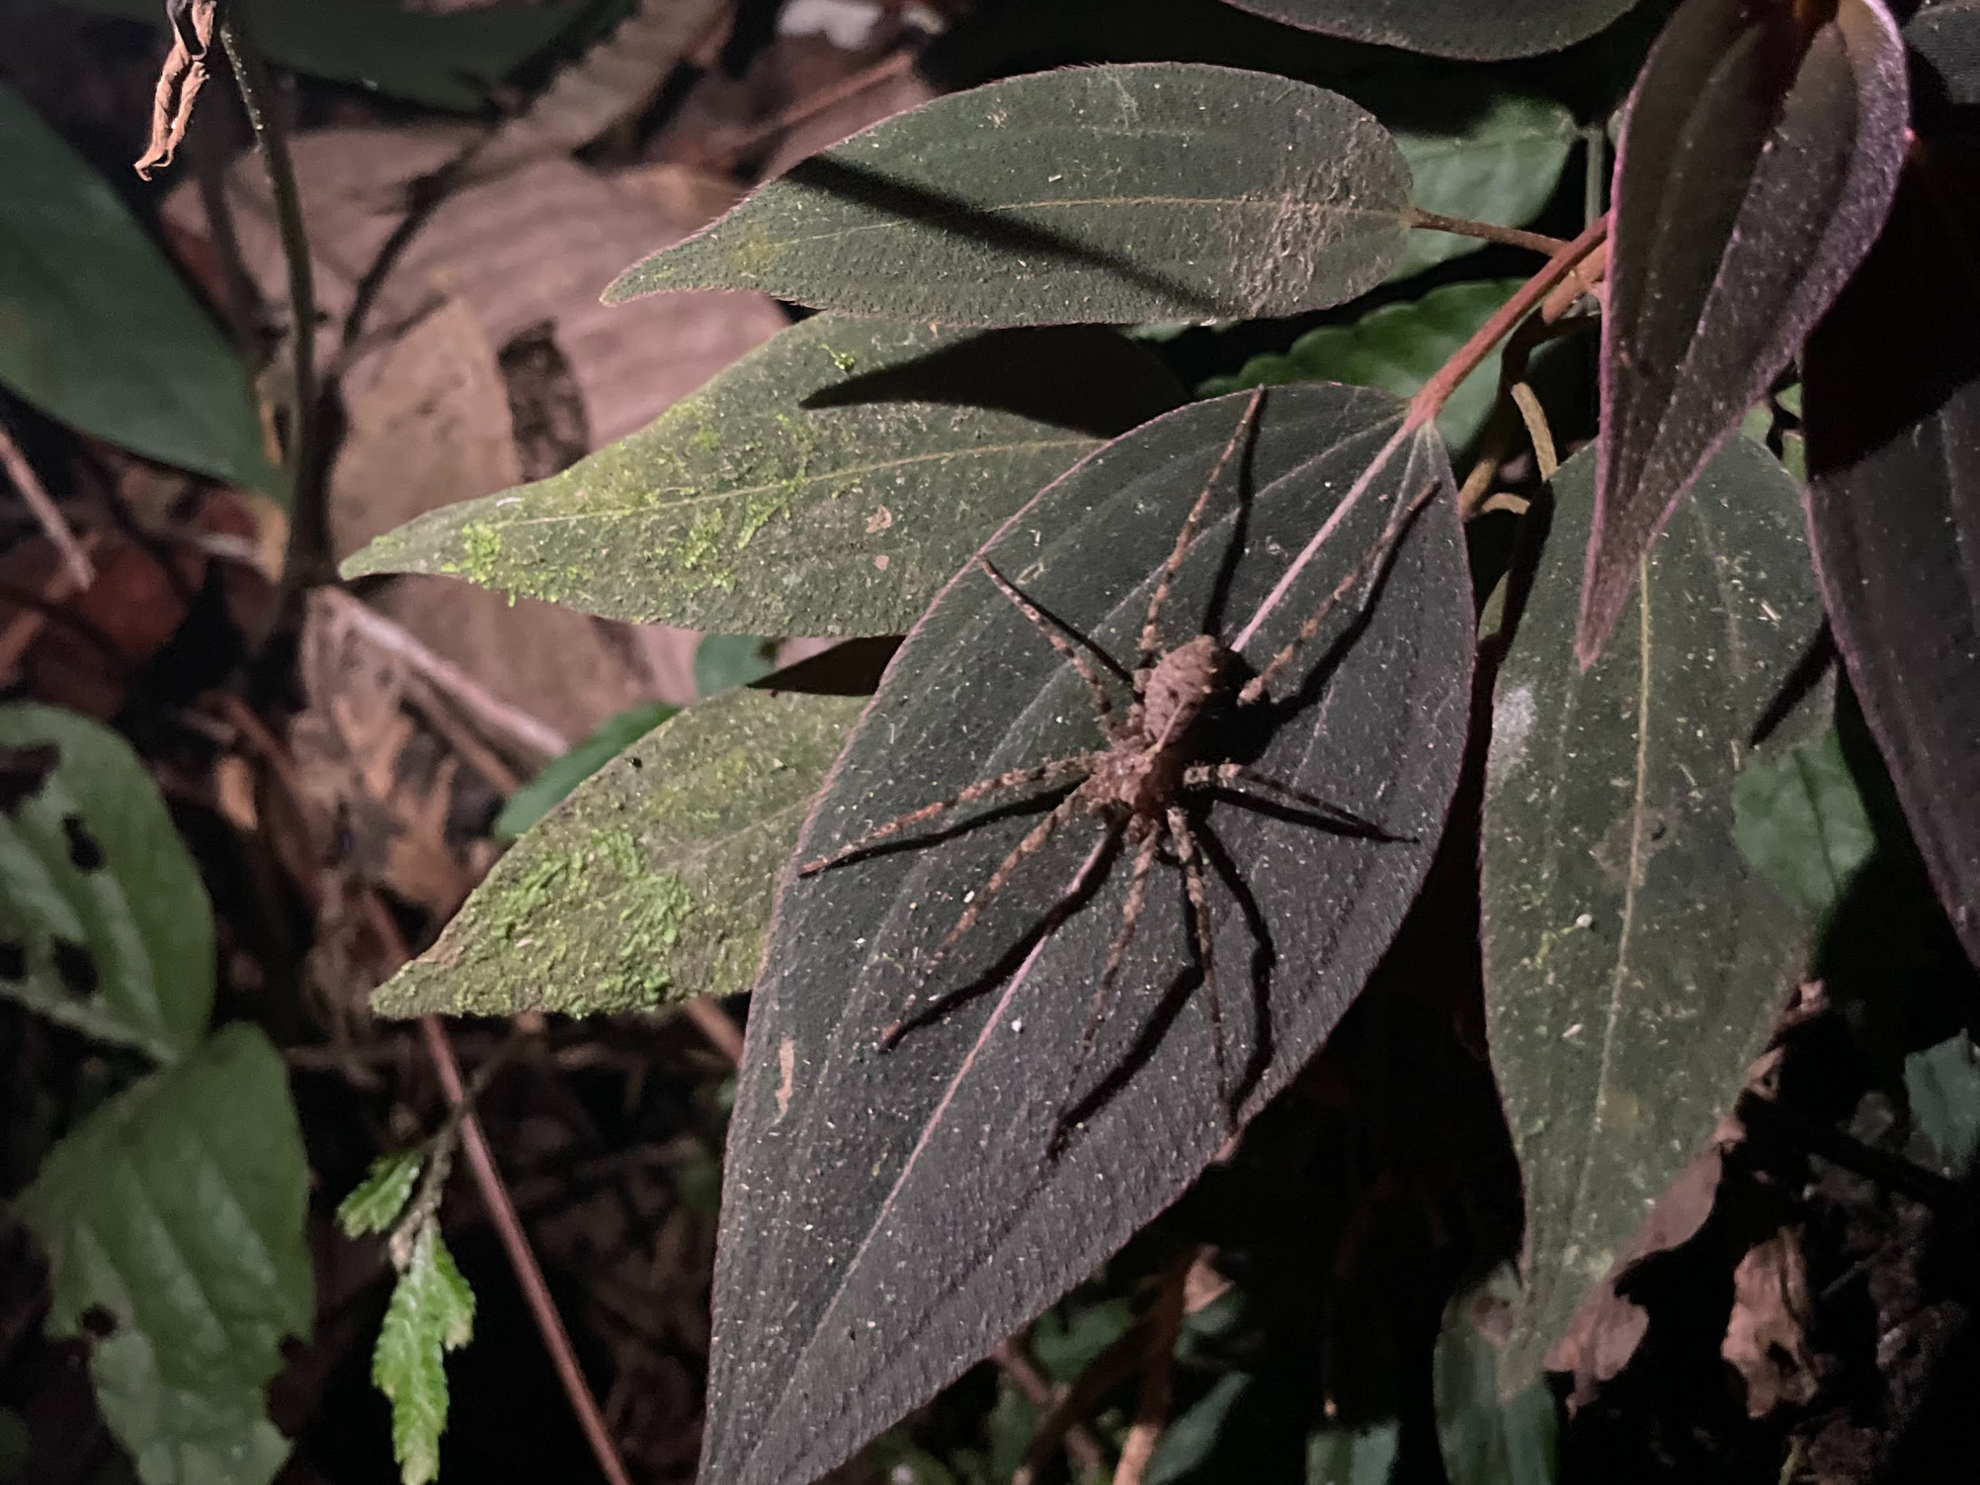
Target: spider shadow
1025 806
1155 1027
1012 959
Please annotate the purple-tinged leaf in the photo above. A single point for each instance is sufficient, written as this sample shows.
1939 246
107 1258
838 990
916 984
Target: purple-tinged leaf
1477 30
889 1216
1757 161
1893 404
1634 960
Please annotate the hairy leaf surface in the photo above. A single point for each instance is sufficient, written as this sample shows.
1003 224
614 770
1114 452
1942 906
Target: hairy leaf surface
1480 30
173 1220
1893 402
1633 960
651 883
1759 152
827 483
104 924
96 329
889 1215
1108 194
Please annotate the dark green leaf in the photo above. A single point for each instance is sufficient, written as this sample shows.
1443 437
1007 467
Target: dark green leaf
1634 963
652 883
16 1445
1487 1441
1894 508
1758 158
1352 1456
173 1217
1943 1084
379 1198
1799 821
104 924
1946 39
1189 1442
562 774
1107 194
828 483
444 61
889 1215
1502 168
725 660
1397 348
98 331
1482 30
431 1313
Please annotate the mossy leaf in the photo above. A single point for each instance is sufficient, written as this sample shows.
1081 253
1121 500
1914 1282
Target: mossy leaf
651 884
827 483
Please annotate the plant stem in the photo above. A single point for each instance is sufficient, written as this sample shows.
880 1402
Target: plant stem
1430 221
1430 400
495 1196
308 560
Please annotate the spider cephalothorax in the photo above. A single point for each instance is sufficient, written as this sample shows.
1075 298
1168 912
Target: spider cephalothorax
1156 759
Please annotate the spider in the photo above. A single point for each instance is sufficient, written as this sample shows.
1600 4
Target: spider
1155 758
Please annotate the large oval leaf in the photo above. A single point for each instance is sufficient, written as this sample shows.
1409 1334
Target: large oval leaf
1758 156
104 925
1109 194
651 883
1634 962
890 1215
1893 400
827 483
96 329
1483 30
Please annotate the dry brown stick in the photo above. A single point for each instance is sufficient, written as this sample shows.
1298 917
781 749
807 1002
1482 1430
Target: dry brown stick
495 1196
714 1023
538 738
1014 1362
473 751
1151 1411
45 510
728 152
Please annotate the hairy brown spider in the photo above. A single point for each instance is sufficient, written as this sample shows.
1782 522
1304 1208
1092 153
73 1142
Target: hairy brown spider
1152 762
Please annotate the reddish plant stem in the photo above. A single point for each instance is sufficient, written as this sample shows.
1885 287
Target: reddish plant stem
1430 400
1537 242
495 1196
1157 1396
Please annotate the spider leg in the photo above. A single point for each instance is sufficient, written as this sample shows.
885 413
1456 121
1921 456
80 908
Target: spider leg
1378 552
1041 773
1151 628
1137 898
1199 903
1236 773
1069 902
1068 641
1033 842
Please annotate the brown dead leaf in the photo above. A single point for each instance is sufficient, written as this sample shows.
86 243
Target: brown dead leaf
1767 1336
535 246
380 785
427 424
179 81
